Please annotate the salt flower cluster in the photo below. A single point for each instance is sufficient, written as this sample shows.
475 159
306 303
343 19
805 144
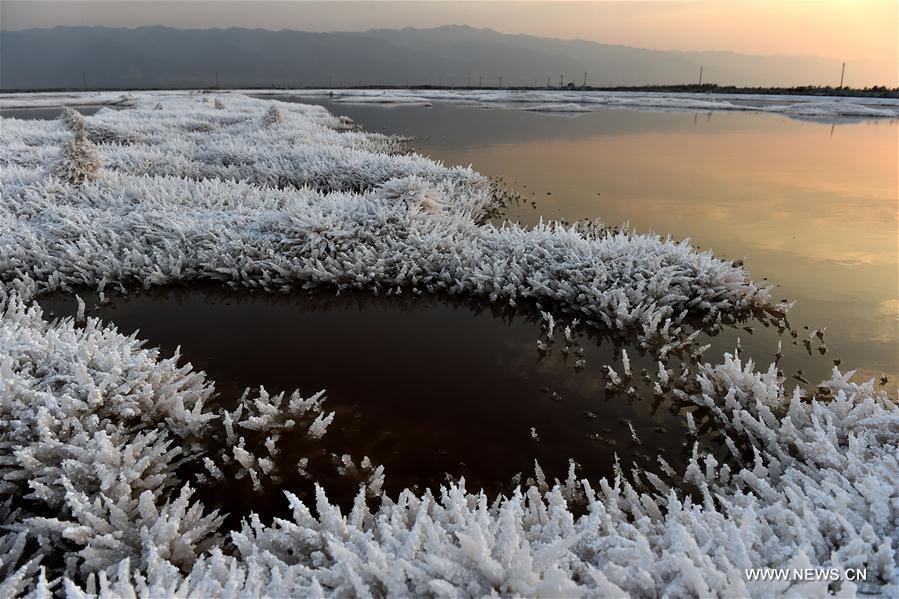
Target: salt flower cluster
104 442
80 160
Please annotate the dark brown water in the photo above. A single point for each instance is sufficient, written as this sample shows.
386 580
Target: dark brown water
811 205
425 386
428 386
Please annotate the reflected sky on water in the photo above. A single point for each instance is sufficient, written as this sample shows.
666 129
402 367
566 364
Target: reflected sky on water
811 205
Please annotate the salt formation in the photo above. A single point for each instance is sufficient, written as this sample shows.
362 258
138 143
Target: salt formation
815 485
103 443
72 120
80 159
231 145
155 230
585 101
273 117
558 100
93 428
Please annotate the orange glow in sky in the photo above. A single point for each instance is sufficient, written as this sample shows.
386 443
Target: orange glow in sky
863 33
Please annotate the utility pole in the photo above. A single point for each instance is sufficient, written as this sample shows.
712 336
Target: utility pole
217 86
561 80
842 74
469 81
83 80
481 81
547 82
700 76
585 78
500 81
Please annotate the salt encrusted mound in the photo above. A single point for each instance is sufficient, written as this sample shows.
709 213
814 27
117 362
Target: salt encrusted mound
128 230
97 434
79 160
93 428
273 117
235 204
232 144
72 120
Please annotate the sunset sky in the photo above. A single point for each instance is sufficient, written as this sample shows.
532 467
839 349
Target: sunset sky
863 33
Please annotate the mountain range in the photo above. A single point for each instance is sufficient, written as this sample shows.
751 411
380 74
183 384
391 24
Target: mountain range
163 57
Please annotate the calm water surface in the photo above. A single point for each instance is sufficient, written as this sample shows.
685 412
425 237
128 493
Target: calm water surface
811 205
48 113
428 386
423 385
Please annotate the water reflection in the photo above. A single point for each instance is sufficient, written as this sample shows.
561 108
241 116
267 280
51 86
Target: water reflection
424 386
436 386
810 205
48 113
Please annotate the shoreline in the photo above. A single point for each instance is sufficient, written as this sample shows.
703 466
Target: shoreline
196 188
554 101
806 90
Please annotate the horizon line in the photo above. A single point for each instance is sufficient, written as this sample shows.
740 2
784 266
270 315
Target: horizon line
448 26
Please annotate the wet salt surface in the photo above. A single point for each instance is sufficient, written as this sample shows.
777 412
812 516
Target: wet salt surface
423 385
427 386
45 114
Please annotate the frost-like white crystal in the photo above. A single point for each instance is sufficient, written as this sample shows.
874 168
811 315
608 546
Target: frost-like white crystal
94 427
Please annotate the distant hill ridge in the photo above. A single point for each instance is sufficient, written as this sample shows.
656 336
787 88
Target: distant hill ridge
451 55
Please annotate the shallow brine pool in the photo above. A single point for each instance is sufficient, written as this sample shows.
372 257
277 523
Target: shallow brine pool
425 386
430 387
811 205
